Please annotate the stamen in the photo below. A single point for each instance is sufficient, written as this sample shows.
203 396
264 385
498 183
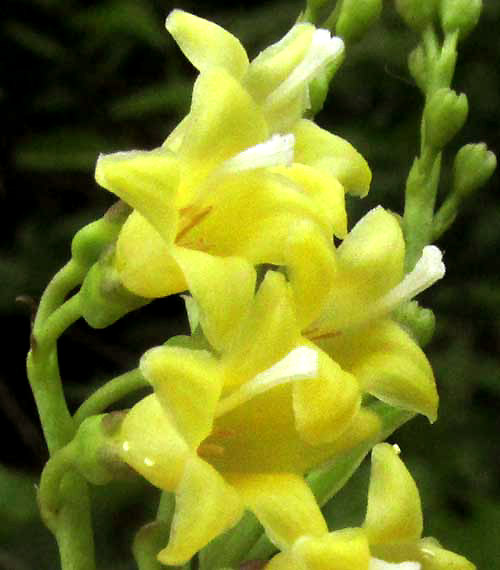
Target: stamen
276 151
429 269
376 564
317 334
299 364
192 220
208 450
323 50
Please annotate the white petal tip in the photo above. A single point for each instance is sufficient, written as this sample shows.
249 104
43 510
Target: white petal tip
431 263
277 151
326 47
376 564
298 364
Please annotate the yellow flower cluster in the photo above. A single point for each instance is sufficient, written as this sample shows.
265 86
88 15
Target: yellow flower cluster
245 180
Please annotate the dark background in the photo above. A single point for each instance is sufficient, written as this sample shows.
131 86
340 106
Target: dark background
78 78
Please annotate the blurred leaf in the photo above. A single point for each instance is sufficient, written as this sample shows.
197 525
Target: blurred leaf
39 43
17 501
155 99
62 149
131 17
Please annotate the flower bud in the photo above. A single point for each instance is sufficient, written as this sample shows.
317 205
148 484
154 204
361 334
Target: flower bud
459 15
473 166
356 17
104 299
418 67
445 114
417 13
89 242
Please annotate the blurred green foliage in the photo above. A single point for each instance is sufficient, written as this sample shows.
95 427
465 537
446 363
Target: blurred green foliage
80 78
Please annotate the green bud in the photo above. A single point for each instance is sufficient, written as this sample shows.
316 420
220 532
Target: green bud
473 166
94 453
444 115
356 18
92 239
104 299
419 322
459 15
417 65
417 13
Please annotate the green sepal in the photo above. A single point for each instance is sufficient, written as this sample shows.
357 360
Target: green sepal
94 454
89 243
418 321
319 86
196 341
104 299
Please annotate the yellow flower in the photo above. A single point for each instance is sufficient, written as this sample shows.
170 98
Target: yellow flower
354 324
232 178
241 429
390 538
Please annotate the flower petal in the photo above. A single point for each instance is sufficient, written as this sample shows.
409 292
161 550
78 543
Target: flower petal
435 557
370 263
253 213
158 453
188 385
223 289
147 181
205 506
319 148
274 64
284 505
269 332
144 261
325 190
394 512
311 268
206 44
223 121
389 365
325 406
345 549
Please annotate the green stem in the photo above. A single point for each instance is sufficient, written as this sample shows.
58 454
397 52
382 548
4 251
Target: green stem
229 549
420 199
74 526
60 320
49 498
445 216
110 393
330 22
66 505
64 280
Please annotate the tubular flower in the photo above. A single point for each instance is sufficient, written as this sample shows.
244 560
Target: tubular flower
240 430
355 326
230 180
390 538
